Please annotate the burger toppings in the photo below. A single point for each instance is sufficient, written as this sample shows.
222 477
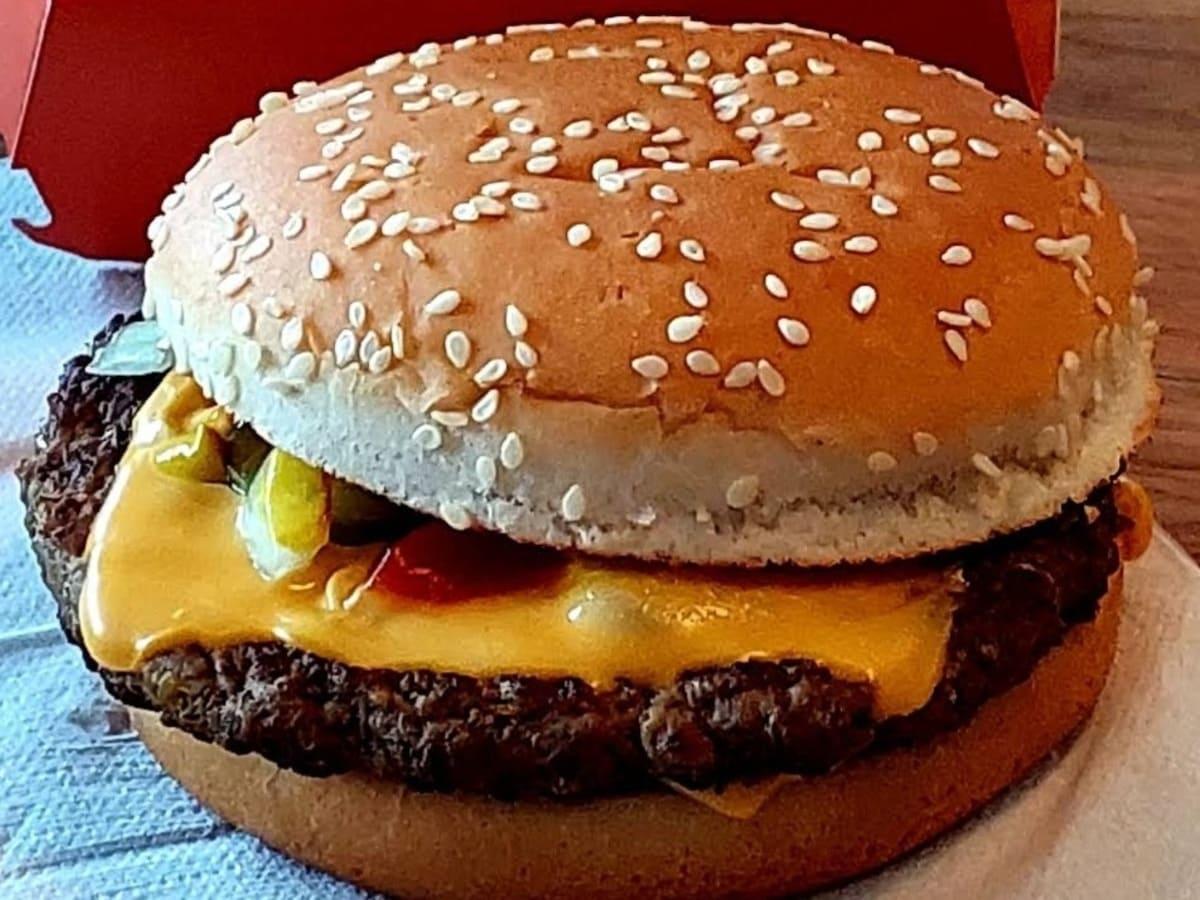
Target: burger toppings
281 534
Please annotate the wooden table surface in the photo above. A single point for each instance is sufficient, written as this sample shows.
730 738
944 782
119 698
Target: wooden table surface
1129 85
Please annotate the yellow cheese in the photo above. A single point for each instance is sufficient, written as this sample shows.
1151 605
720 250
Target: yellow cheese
166 568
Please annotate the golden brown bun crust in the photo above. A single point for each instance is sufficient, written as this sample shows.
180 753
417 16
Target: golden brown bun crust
810 834
817 431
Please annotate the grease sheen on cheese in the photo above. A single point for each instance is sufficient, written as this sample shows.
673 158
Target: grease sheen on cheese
166 568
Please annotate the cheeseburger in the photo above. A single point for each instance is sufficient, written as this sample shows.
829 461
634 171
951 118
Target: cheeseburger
638 458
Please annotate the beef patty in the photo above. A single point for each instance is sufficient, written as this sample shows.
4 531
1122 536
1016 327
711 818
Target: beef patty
515 736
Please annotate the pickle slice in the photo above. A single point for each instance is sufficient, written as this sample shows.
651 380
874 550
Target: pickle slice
360 517
196 456
284 519
246 454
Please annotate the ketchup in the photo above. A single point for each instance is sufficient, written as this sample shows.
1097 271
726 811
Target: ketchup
436 564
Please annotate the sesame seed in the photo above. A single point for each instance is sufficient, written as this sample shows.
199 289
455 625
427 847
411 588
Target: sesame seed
1143 276
900 116
692 249
1127 230
522 125
1089 196
345 348
257 248
319 266
797 120
541 54
496 189
423 225
924 443
580 128
947 159
775 286
701 362
361 233
869 141
863 299
955 319
650 246
650 366
486 406
487 206
957 255
742 375
222 259
458 349
956 343
861 243
1056 166
512 451
526 201
540 165
698 60
232 284
984 464
301 367
413 250
790 202
485 472
882 206
983 148
454 515
918 143
443 303
819 221
291 334
682 329
379 361
663 193
1017 223
490 372
293 226
835 177
1103 305
945 184
670 135
573 504
515 322
742 492
794 331
881 461
314 172
940 136
819 66
978 311
1010 108
397 341
877 46
395 223
544 144
506 106
810 251
723 165
525 355
695 295
353 208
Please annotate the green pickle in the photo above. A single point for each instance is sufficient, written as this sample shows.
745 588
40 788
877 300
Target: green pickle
285 517
197 456
246 454
360 517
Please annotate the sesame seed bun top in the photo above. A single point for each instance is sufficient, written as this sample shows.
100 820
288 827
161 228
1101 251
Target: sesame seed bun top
660 289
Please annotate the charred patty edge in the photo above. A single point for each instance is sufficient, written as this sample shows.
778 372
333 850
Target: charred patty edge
513 736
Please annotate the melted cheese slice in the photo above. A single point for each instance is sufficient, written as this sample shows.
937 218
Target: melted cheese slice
166 568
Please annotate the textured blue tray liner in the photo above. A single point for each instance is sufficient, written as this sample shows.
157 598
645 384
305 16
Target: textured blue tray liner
85 812
84 809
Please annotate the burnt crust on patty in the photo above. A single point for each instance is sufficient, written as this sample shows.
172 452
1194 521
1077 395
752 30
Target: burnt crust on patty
517 736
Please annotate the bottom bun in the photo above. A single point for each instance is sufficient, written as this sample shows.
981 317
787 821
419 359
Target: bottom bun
813 832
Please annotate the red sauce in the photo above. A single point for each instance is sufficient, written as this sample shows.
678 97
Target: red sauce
436 564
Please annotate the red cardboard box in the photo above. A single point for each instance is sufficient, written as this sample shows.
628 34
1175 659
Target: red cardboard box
108 102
